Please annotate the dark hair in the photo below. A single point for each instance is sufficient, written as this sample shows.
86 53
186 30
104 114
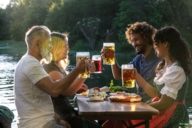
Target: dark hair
142 28
176 43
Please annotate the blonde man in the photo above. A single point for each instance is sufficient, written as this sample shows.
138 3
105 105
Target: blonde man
33 86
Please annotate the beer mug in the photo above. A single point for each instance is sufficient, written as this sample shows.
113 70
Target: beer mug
109 56
79 56
128 75
97 61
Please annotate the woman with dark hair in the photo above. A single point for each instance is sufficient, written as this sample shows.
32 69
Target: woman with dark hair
170 81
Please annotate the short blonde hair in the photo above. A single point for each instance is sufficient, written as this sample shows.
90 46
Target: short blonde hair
58 42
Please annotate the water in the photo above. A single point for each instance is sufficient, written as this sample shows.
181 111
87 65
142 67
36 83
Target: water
7 66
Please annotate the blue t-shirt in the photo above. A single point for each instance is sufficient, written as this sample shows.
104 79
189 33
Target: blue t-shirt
146 68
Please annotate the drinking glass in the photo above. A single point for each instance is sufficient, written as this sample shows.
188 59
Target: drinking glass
97 61
109 56
128 75
79 56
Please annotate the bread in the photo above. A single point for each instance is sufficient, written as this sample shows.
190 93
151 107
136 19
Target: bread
85 93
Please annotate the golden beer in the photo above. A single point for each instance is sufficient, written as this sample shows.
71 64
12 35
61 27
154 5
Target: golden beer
128 75
109 56
79 56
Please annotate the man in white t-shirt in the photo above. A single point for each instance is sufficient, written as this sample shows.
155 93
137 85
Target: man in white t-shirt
33 86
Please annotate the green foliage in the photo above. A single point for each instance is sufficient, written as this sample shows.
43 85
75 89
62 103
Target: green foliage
16 22
89 27
25 13
114 16
80 45
36 12
4 23
113 87
136 10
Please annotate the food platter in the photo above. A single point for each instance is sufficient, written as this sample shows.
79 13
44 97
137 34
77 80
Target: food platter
96 95
96 98
124 97
85 93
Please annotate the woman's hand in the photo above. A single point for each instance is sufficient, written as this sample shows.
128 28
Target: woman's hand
102 53
91 66
82 65
139 79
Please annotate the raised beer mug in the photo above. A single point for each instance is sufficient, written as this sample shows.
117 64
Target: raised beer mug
97 61
128 75
109 56
79 56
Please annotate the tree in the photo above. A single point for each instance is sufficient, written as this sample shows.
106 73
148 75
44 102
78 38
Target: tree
177 14
16 14
64 14
24 14
89 27
4 23
136 10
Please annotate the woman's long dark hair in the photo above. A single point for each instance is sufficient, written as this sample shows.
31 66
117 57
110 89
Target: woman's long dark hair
178 48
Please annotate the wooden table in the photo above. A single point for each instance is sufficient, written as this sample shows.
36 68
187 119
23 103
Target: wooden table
107 110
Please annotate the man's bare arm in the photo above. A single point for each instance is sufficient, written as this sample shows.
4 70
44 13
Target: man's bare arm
55 88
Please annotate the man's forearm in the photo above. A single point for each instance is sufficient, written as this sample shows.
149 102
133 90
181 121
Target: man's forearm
55 88
66 82
74 87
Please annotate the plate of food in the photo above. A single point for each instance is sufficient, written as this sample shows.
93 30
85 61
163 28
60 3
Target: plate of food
125 97
96 98
95 94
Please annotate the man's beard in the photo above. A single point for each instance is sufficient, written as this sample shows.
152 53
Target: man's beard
141 50
45 54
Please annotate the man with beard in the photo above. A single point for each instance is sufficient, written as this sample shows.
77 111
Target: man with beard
139 35
33 86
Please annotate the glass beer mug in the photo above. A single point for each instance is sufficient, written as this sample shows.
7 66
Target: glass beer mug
97 61
79 56
128 75
109 56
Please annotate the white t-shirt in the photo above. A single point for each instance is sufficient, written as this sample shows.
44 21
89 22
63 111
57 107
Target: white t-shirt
173 78
34 106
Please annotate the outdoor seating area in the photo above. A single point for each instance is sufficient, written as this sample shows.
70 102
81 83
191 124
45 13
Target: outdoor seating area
95 64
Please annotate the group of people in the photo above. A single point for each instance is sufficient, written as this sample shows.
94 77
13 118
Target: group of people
42 87
161 73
